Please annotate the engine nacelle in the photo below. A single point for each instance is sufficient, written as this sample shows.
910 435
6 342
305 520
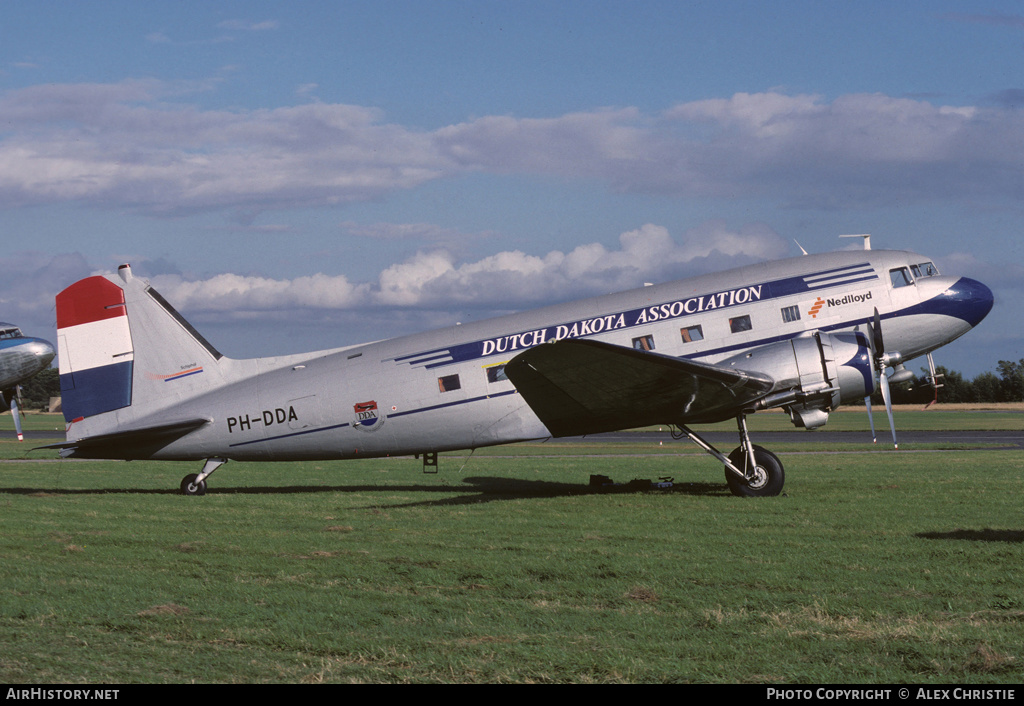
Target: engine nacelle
813 374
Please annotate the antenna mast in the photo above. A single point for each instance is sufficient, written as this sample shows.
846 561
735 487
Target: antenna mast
866 236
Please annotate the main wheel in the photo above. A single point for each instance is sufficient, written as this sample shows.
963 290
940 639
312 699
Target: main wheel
190 487
768 477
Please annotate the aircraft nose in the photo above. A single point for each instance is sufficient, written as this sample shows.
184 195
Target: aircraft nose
969 300
43 351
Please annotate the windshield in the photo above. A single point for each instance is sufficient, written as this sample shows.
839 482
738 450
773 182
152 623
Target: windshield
925 269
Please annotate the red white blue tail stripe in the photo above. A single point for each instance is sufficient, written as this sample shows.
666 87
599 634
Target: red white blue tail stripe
176 376
95 348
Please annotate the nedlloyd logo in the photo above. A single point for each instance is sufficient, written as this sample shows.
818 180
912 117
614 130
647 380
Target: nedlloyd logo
850 299
813 313
820 303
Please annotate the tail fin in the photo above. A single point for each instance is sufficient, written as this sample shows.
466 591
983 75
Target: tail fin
125 352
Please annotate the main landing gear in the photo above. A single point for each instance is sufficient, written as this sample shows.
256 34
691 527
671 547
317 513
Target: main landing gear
195 483
751 471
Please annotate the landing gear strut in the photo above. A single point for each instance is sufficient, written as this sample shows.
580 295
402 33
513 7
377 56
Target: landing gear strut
751 471
195 483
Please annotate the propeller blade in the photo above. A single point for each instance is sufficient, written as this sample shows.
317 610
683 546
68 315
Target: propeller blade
882 358
871 420
17 417
888 405
876 334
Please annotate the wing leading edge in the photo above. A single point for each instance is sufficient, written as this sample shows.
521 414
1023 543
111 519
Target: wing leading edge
581 387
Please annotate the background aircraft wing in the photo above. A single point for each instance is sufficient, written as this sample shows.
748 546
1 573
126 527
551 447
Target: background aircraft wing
581 387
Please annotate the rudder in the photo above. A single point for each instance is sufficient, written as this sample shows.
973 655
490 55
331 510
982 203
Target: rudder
94 349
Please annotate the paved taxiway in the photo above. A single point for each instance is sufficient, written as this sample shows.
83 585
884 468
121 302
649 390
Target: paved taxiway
729 439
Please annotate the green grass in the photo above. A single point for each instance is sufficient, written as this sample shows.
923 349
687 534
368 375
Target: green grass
876 567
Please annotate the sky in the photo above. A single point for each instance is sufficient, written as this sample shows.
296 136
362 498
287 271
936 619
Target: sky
294 176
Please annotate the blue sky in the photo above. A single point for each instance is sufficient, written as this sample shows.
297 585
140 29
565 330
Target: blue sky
295 176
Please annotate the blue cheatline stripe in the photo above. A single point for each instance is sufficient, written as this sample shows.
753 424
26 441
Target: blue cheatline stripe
452 404
85 393
390 416
423 357
294 433
839 272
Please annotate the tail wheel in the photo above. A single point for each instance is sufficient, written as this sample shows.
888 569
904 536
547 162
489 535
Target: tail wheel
766 480
190 487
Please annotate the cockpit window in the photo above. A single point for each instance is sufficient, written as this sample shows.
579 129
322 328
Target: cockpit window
10 333
900 277
925 269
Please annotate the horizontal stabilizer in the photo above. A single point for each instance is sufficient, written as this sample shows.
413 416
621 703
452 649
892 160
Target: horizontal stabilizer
128 444
581 387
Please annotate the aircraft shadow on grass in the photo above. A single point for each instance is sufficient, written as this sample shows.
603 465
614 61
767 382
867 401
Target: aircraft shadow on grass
489 489
471 490
982 535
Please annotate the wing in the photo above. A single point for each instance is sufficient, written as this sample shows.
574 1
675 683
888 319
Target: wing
581 387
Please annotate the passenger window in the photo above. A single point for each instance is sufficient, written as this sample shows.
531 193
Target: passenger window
692 334
448 383
644 343
900 277
790 314
496 373
740 324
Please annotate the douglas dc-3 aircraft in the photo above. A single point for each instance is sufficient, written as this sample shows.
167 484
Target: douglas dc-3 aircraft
804 334
21 357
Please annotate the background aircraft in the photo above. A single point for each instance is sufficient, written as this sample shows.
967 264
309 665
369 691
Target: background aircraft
21 357
805 334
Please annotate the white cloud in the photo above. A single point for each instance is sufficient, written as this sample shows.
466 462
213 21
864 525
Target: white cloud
126 145
508 280
246 294
119 145
857 150
31 279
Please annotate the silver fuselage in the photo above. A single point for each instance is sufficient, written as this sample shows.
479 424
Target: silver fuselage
443 389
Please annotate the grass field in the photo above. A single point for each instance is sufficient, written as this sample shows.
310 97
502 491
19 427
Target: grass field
878 567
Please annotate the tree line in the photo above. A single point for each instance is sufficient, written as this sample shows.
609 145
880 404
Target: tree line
1006 384
36 393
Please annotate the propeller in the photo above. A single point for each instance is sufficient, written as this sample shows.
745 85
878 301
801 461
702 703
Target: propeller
871 420
15 412
884 360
